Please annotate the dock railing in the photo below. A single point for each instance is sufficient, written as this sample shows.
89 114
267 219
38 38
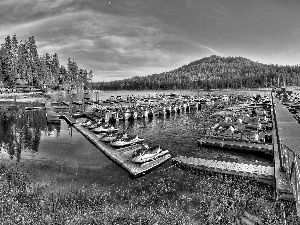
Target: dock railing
289 162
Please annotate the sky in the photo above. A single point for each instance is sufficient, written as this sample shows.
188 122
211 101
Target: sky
119 39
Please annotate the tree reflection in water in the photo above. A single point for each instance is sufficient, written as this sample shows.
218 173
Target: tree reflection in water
21 130
53 130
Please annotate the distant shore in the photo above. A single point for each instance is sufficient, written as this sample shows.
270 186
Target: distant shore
23 97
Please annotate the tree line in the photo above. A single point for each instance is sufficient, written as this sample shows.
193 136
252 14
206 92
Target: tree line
212 72
19 60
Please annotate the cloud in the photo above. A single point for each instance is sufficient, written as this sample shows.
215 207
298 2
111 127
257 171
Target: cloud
117 44
125 38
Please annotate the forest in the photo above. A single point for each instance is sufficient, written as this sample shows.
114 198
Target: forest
212 72
20 61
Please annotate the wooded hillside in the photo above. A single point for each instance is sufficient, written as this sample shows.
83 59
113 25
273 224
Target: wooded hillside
211 73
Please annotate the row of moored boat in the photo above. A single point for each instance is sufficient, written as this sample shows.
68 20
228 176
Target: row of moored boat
111 136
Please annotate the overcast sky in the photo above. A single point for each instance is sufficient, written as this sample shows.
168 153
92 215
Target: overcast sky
118 39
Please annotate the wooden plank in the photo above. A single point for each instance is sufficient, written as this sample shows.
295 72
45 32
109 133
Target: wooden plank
258 171
69 118
258 147
52 117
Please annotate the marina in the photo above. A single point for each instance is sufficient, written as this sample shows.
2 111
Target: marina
232 134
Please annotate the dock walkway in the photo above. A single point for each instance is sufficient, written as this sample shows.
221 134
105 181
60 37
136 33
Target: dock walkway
239 145
256 171
51 115
68 118
288 127
288 131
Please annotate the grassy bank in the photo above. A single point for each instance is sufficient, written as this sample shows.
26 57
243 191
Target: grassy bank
174 197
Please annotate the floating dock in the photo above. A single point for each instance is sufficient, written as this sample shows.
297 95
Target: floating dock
122 156
60 105
238 145
242 169
68 118
52 117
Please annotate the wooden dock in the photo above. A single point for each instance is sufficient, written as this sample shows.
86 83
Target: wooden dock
237 145
68 118
256 171
288 129
122 156
52 117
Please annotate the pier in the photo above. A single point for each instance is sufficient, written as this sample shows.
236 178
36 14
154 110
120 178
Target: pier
262 173
122 156
68 118
237 145
51 115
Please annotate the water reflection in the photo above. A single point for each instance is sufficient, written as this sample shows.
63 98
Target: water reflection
21 129
53 130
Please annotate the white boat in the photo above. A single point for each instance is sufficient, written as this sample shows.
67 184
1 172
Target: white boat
126 141
113 136
105 129
94 125
149 154
86 123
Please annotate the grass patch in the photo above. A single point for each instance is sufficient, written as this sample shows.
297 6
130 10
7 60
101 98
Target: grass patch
173 197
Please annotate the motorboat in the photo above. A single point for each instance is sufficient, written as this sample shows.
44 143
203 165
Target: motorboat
77 114
148 154
87 123
95 125
105 129
122 142
113 136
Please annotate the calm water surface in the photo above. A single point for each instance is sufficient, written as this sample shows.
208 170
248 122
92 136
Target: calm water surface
61 155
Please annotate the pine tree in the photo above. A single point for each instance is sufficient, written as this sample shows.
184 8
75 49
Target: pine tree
7 74
55 69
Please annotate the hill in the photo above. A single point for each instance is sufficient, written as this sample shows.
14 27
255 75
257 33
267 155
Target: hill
211 73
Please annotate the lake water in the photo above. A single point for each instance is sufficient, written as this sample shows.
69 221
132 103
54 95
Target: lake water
62 156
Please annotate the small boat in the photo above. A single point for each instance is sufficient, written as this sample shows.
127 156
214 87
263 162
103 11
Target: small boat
77 114
60 105
34 108
113 136
95 125
105 129
148 154
77 102
121 142
86 123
